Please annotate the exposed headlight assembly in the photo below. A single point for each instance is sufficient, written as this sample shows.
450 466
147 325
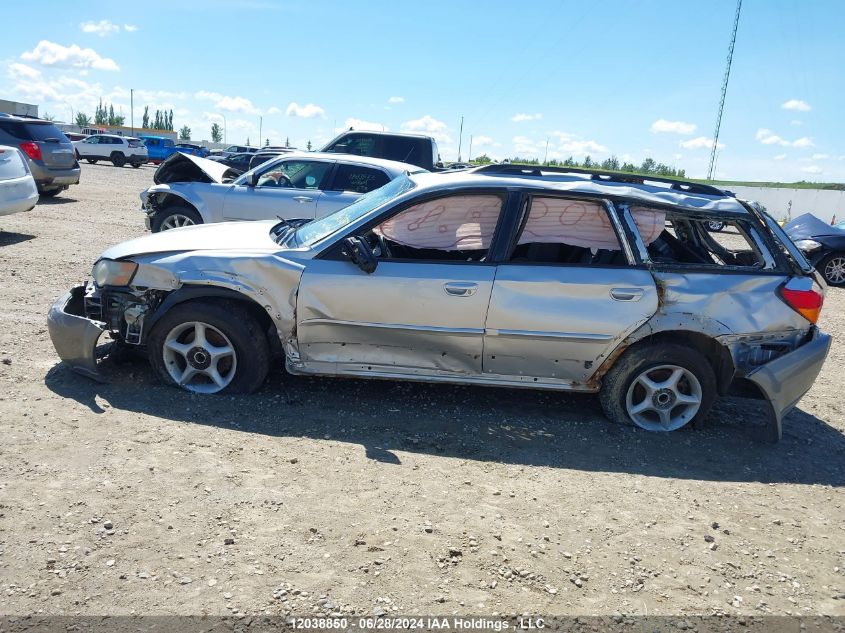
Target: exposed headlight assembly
108 272
808 246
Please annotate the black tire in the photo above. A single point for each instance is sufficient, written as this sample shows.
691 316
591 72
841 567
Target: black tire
92 161
52 193
240 327
76 151
830 268
638 359
136 165
162 216
118 159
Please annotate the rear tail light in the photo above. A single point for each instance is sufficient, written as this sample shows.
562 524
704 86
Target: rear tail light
31 149
803 296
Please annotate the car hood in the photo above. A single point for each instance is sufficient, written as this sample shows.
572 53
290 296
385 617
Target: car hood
236 236
179 167
808 225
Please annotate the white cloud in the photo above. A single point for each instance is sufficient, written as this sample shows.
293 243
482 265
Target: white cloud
430 126
812 169
767 137
49 53
130 28
225 102
821 156
481 140
101 28
307 111
22 71
273 110
672 127
583 147
779 157
796 104
518 118
359 124
700 142
396 100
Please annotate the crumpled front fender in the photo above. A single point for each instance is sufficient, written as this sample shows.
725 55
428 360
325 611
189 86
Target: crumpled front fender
74 336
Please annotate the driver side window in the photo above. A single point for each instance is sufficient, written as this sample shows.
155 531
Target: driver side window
455 228
298 174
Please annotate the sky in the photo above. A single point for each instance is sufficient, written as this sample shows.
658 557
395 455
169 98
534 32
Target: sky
634 79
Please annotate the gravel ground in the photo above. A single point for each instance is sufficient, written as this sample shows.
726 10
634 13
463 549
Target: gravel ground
380 497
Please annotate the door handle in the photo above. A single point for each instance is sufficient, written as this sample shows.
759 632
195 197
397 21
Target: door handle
626 294
302 199
460 288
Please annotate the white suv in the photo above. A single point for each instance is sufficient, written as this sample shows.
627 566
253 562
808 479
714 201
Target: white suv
118 149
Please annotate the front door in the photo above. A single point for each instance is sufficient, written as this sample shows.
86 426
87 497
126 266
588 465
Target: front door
566 296
289 189
421 312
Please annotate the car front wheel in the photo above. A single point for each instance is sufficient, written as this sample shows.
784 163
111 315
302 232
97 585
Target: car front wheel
175 216
118 159
210 347
659 387
832 268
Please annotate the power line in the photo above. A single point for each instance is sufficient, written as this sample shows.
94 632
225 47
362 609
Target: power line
724 92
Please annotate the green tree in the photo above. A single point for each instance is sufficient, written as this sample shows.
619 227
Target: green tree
48 117
648 166
308 145
185 133
266 142
145 122
588 162
82 119
101 116
287 142
216 133
484 159
611 164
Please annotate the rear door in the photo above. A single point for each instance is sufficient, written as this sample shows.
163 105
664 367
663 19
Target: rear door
566 295
289 189
349 183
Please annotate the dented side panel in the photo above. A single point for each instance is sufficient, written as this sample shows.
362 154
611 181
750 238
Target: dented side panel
558 321
402 318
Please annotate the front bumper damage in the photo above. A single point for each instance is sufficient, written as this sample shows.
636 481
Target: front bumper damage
784 380
74 335
78 319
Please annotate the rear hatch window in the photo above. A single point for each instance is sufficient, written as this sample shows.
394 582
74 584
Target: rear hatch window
134 142
34 131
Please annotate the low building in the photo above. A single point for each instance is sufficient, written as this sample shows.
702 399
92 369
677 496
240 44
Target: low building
18 108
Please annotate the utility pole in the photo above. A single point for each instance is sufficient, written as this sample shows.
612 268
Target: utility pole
224 128
132 109
460 138
546 155
260 126
712 165
469 154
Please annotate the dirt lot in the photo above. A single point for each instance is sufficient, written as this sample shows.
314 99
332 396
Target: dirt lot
355 496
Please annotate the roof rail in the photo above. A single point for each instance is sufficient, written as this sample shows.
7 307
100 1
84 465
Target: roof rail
605 176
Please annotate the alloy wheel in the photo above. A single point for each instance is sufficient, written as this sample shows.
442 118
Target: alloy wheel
834 270
199 357
175 221
663 398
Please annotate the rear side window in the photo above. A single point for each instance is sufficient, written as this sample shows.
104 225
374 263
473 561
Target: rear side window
168 143
33 131
702 241
358 144
11 165
358 179
152 142
404 150
566 231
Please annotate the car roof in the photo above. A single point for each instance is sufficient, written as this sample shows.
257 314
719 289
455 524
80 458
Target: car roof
13 118
393 166
575 184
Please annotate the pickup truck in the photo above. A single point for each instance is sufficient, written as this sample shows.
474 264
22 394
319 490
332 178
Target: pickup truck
415 149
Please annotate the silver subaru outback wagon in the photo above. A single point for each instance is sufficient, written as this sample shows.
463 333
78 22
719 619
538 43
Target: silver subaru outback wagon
501 275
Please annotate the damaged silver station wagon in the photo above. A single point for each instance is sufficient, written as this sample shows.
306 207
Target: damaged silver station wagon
501 275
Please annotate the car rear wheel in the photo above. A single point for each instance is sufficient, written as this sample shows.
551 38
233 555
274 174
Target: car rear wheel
52 193
210 347
832 268
135 164
92 161
175 216
659 387
118 159
715 225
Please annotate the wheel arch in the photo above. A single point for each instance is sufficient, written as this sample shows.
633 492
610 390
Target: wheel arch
716 353
218 293
163 199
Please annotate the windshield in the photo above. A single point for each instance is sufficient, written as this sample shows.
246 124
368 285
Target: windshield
317 230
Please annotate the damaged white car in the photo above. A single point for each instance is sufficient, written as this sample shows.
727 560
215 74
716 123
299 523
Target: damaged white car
298 185
501 275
